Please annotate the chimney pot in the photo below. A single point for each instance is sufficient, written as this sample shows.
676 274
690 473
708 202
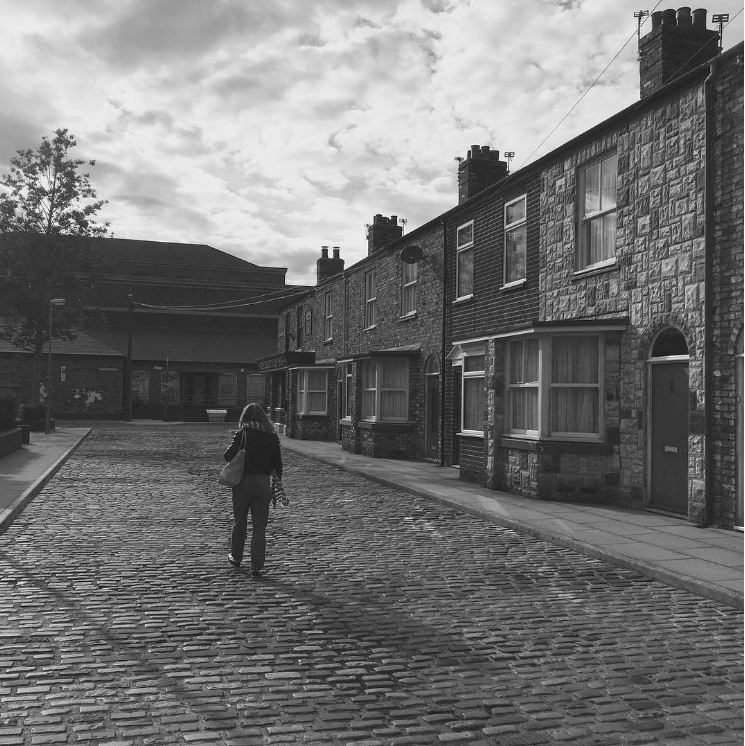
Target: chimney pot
684 17
476 150
485 150
656 20
325 252
394 219
699 18
668 17
336 252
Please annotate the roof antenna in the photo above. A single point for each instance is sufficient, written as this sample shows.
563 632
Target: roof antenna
721 19
640 15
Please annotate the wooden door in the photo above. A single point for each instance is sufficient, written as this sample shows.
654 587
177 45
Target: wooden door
669 437
432 417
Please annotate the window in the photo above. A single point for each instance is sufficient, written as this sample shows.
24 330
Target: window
311 391
409 274
255 387
575 386
227 390
288 324
464 261
328 318
370 298
472 417
170 386
140 386
346 382
597 219
298 327
553 386
515 240
385 389
523 386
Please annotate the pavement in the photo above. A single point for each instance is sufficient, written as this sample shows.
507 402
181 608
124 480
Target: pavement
704 561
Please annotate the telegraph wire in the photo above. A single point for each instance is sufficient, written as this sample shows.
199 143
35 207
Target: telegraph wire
258 300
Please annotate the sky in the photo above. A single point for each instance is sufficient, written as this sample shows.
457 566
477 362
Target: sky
268 128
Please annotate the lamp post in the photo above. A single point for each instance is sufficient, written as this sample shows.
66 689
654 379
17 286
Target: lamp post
48 413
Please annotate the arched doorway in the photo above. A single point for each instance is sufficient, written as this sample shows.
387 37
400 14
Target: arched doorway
432 408
739 519
668 422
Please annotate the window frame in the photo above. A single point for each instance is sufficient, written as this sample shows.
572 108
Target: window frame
378 389
303 391
460 251
408 288
584 219
523 385
471 375
371 297
328 318
546 385
510 228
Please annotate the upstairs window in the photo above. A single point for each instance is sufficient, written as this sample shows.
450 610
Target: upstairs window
328 318
597 213
409 274
370 298
464 261
515 240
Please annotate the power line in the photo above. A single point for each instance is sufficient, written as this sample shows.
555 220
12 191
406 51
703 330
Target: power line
257 300
592 85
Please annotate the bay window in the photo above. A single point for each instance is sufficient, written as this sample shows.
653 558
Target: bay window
311 391
474 380
596 244
554 386
464 261
515 240
522 384
385 389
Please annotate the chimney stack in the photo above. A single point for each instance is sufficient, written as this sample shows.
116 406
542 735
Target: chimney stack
328 267
677 42
478 170
383 231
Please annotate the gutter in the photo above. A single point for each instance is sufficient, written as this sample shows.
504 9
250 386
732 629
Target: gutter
707 516
443 224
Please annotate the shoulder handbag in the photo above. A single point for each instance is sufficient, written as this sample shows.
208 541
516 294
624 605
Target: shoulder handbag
232 473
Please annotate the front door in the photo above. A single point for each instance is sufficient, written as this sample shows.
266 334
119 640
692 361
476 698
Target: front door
669 437
457 383
739 520
432 418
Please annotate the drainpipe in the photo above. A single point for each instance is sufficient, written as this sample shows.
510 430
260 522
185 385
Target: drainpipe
708 292
444 340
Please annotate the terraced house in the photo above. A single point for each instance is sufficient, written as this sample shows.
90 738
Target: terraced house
576 328
359 357
605 362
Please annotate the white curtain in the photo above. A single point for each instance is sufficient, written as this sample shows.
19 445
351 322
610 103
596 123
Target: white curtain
394 385
369 379
316 391
465 272
473 403
574 408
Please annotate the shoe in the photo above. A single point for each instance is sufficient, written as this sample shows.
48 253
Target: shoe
256 573
233 561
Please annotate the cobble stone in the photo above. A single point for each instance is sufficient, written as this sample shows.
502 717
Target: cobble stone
383 619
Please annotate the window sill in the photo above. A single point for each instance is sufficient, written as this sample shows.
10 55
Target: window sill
369 328
463 299
595 269
382 424
470 434
328 341
311 415
408 316
514 284
556 446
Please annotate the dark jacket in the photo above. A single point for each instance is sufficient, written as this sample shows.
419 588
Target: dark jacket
262 452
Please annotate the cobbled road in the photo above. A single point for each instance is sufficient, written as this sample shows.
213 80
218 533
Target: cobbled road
383 619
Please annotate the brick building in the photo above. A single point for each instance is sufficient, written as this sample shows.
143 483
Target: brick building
359 357
187 355
618 379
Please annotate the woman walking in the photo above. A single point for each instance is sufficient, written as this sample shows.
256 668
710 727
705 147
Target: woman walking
253 492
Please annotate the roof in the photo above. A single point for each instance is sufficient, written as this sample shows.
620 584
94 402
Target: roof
83 344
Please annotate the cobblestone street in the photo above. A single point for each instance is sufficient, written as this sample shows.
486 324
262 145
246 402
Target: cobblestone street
383 619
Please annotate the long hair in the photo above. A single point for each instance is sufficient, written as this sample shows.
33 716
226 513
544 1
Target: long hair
255 413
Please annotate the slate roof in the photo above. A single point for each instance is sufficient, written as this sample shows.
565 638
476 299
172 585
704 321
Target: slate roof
83 344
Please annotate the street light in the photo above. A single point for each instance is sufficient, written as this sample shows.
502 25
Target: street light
48 414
